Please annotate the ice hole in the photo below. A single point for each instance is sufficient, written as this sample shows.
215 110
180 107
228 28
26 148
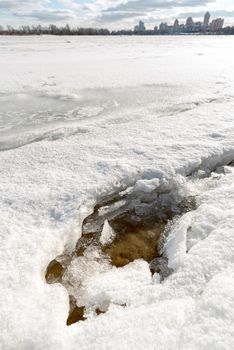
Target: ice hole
121 230
123 239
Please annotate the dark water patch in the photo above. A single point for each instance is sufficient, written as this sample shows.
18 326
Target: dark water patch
133 242
54 272
76 313
135 223
134 237
99 311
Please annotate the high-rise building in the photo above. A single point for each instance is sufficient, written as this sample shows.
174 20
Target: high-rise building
163 27
140 27
189 22
176 23
176 27
206 19
216 24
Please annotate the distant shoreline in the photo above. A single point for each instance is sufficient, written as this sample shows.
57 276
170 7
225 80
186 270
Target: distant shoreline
67 31
115 35
120 34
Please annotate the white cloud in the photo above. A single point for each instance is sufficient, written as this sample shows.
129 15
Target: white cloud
106 13
48 15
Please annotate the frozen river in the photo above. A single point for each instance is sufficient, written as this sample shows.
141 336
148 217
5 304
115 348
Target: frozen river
82 118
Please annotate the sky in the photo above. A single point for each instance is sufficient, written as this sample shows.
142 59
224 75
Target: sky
111 14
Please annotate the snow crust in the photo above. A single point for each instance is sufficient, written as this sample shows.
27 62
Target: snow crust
84 119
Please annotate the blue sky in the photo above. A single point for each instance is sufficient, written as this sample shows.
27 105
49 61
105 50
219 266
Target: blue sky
112 14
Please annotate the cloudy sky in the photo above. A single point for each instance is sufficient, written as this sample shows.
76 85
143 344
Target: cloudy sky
112 14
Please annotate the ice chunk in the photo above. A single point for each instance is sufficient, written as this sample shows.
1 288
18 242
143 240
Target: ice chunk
146 185
108 234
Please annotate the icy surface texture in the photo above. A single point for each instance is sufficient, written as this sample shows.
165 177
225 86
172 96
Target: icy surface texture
82 120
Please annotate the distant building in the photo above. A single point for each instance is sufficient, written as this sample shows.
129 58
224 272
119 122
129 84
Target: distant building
189 22
140 27
176 24
190 27
206 19
216 24
163 27
198 27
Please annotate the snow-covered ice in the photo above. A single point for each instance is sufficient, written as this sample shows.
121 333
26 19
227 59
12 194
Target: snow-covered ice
82 120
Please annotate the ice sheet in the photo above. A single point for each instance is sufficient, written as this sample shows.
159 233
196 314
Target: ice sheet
83 119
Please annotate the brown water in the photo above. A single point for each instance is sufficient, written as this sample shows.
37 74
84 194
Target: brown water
76 313
54 272
136 242
133 241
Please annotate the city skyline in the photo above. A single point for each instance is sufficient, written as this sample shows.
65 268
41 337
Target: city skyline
119 14
207 25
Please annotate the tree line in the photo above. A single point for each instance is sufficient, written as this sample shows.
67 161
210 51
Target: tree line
67 30
52 30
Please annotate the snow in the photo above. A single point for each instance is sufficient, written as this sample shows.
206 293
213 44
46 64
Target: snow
107 234
81 120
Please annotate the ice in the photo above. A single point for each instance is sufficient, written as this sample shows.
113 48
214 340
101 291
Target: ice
82 268
117 285
107 234
146 185
83 120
